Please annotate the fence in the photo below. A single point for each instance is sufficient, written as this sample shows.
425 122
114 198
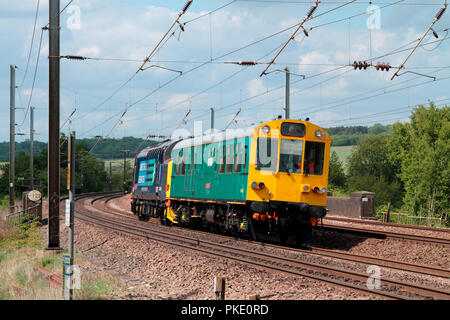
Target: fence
405 218
26 215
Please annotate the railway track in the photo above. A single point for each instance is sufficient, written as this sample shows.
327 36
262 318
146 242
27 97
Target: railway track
387 263
384 234
385 224
390 289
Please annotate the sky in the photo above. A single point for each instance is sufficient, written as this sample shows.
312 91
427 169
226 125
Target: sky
192 69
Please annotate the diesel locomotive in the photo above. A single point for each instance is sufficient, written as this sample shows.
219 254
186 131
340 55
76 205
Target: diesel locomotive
269 181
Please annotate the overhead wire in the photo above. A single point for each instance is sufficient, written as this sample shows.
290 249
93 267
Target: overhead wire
234 51
204 63
31 45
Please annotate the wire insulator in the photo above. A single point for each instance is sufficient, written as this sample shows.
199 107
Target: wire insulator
247 63
311 11
74 57
187 5
441 12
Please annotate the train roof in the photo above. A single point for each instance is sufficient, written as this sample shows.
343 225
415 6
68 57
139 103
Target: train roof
215 137
244 132
155 148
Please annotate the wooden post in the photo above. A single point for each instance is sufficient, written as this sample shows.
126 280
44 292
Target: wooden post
388 211
219 288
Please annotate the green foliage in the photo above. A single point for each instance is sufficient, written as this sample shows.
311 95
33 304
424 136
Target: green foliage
337 175
371 157
90 172
385 191
19 147
421 148
371 170
348 130
23 236
106 149
349 136
50 261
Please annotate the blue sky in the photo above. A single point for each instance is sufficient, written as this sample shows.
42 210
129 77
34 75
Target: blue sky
332 93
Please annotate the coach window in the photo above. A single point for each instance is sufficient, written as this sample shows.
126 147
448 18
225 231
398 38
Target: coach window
230 157
177 162
239 157
183 163
314 156
221 156
267 154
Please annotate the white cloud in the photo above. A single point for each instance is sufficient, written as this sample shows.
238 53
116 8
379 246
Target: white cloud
93 51
255 87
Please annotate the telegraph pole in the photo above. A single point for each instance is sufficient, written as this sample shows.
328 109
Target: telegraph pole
288 93
110 176
31 148
125 153
53 125
212 119
71 187
12 135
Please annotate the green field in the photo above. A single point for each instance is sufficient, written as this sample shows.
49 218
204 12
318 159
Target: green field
343 153
117 165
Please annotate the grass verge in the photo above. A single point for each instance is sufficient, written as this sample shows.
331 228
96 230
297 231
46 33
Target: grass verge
22 248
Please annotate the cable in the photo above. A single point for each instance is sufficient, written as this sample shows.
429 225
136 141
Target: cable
204 15
390 111
337 2
436 18
31 46
147 59
34 78
364 93
231 52
217 58
236 50
396 51
59 13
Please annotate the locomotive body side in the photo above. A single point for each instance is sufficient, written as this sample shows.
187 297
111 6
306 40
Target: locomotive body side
150 180
269 180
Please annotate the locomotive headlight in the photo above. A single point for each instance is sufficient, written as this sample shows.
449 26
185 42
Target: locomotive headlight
305 188
254 185
266 129
324 190
319 134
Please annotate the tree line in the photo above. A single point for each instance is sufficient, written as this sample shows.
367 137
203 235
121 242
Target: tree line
409 166
91 175
106 149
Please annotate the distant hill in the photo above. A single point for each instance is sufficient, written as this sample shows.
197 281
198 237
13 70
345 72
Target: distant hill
105 149
20 147
110 148
350 136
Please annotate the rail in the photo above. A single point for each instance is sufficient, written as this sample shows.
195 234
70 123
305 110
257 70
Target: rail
391 289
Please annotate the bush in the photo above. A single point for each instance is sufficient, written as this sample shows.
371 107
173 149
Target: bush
385 191
337 177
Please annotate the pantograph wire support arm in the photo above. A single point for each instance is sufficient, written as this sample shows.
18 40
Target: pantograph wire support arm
308 15
436 18
147 59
